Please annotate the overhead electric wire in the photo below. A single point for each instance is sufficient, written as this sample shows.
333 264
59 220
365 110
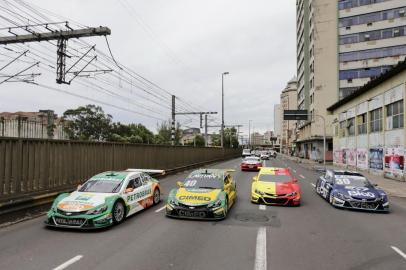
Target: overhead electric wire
147 83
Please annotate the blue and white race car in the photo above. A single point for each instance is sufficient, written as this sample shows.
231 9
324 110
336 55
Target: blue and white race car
346 189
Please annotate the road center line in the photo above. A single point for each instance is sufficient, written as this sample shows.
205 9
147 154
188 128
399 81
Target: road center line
160 209
398 251
262 207
302 176
67 263
260 251
313 184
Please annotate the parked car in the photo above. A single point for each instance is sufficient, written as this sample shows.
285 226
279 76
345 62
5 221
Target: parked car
246 153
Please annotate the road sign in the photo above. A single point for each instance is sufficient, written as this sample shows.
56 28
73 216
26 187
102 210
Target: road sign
295 115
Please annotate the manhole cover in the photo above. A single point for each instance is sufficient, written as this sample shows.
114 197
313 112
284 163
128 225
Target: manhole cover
251 217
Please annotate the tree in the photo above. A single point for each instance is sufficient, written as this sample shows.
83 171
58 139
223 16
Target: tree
229 134
87 123
164 133
199 140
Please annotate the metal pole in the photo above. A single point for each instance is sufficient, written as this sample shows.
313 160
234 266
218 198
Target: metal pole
222 107
324 139
249 133
173 121
222 110
205 131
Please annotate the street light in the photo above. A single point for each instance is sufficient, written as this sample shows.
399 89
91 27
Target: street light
222 107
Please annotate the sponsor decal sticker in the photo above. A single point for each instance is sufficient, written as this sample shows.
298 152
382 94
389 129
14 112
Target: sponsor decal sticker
194 198
138 195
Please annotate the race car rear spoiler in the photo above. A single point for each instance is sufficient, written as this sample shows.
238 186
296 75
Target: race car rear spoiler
146 171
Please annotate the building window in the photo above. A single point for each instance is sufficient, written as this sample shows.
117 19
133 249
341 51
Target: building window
373 35
370 18
373 53
362 123
394 115
342 129
357 3
375 123
351 126
363 72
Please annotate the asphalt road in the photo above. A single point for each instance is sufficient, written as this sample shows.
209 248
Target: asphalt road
312 236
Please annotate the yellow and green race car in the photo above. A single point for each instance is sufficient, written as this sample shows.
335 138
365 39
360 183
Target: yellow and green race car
205 194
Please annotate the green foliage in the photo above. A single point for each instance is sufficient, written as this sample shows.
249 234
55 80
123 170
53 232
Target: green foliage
87 123
164 133
229 134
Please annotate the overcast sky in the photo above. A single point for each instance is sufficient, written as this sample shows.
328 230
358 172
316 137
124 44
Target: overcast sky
183 46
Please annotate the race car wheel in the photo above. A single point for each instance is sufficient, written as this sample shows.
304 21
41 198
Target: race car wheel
118 212
157 196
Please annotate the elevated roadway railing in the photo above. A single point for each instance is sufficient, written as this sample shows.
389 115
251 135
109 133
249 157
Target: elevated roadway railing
32 168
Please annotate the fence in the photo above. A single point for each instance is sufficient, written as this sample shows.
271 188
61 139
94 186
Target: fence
35 166
29 129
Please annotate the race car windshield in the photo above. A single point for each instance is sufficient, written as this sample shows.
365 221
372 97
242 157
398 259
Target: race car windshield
105 186
203 182
352 181
251 159
274 178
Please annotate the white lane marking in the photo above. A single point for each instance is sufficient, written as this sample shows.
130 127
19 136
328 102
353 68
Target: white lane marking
67 263
302 176
399 252
160 209
260 252
313 184
262 207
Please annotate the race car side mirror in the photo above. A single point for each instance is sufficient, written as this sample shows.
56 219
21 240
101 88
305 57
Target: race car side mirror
78 187
375 185
180 184
128 190
295 180
255 178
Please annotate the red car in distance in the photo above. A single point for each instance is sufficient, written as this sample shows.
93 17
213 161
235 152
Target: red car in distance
251 164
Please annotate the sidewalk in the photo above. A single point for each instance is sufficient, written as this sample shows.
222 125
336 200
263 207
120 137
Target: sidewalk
392 187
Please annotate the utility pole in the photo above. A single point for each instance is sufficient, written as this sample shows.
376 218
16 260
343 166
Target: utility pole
174 113
249 133
222 107
206 137
62 37
173 121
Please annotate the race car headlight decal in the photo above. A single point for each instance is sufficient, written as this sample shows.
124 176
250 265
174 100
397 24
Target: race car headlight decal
215 204
342 196
97 210
291 194
259 192
173 202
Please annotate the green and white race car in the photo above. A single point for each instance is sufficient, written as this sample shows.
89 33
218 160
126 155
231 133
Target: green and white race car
105 199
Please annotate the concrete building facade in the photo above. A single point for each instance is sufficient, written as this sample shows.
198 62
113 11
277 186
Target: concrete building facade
277 120
288 102
369 131
372 39
317 78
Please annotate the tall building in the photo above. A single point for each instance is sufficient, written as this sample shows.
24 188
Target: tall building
277 120
317 63
372 39
288 102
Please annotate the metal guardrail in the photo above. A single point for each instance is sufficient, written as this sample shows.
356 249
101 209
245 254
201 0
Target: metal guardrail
32 167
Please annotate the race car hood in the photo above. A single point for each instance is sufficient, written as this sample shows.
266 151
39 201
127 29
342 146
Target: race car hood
82 201
275 188
197 196
360 192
